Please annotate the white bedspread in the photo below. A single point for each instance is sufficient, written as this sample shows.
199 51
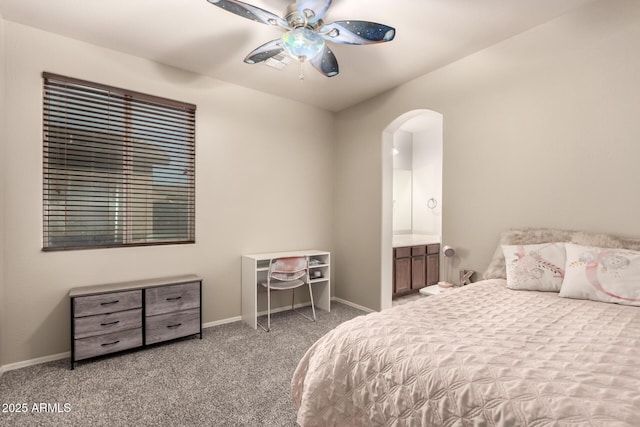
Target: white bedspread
481 355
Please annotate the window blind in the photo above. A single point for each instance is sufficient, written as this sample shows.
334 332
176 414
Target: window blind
119 167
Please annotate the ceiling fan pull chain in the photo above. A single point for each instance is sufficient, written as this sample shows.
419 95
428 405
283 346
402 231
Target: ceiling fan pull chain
301 75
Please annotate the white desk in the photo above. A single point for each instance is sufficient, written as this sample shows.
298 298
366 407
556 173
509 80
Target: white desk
255 267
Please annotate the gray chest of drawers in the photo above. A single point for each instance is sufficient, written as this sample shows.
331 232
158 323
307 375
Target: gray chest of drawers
110 318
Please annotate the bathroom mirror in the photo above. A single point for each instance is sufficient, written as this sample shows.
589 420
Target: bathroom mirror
402 204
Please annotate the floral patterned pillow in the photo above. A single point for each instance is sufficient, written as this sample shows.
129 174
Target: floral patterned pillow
602 274
535 267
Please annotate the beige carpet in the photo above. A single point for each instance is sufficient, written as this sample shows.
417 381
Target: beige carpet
234 376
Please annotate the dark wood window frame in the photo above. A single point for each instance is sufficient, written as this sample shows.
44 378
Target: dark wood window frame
118 167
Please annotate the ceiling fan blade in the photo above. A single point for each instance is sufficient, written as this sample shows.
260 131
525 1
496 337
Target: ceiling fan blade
357 32
250 12
313 10
265 52
326 62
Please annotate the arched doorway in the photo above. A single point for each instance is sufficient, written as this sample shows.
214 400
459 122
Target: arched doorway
424 127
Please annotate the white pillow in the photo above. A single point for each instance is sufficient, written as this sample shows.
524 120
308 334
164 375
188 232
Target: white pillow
533 236
535 267
602 274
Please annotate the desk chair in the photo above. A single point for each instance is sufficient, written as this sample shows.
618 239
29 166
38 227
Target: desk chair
287 273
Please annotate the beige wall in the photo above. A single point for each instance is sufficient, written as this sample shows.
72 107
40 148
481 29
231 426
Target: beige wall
2 181
243 138
539 130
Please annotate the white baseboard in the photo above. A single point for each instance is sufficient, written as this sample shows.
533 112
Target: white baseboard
351 304
261 313
67 354
36 361
221 322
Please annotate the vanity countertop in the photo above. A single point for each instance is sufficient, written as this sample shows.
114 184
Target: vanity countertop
400 240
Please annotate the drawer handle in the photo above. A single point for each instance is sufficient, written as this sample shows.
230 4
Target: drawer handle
110 323
174 326
107 344
110 302
174 298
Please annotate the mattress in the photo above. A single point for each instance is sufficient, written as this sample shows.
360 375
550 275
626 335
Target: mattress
481 355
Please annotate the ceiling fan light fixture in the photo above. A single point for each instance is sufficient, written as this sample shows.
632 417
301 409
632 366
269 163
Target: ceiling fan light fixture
302 43
306 33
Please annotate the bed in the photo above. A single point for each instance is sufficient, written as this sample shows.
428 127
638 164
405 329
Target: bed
488 354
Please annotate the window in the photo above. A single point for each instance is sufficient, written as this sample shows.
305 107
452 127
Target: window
119 167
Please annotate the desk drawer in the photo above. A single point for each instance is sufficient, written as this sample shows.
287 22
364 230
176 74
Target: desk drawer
106 303
107 343
167 299
172 325
89 326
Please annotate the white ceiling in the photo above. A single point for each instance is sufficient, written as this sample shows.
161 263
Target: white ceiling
197 36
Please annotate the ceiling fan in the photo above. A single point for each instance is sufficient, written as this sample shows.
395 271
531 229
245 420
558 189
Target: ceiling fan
306 32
